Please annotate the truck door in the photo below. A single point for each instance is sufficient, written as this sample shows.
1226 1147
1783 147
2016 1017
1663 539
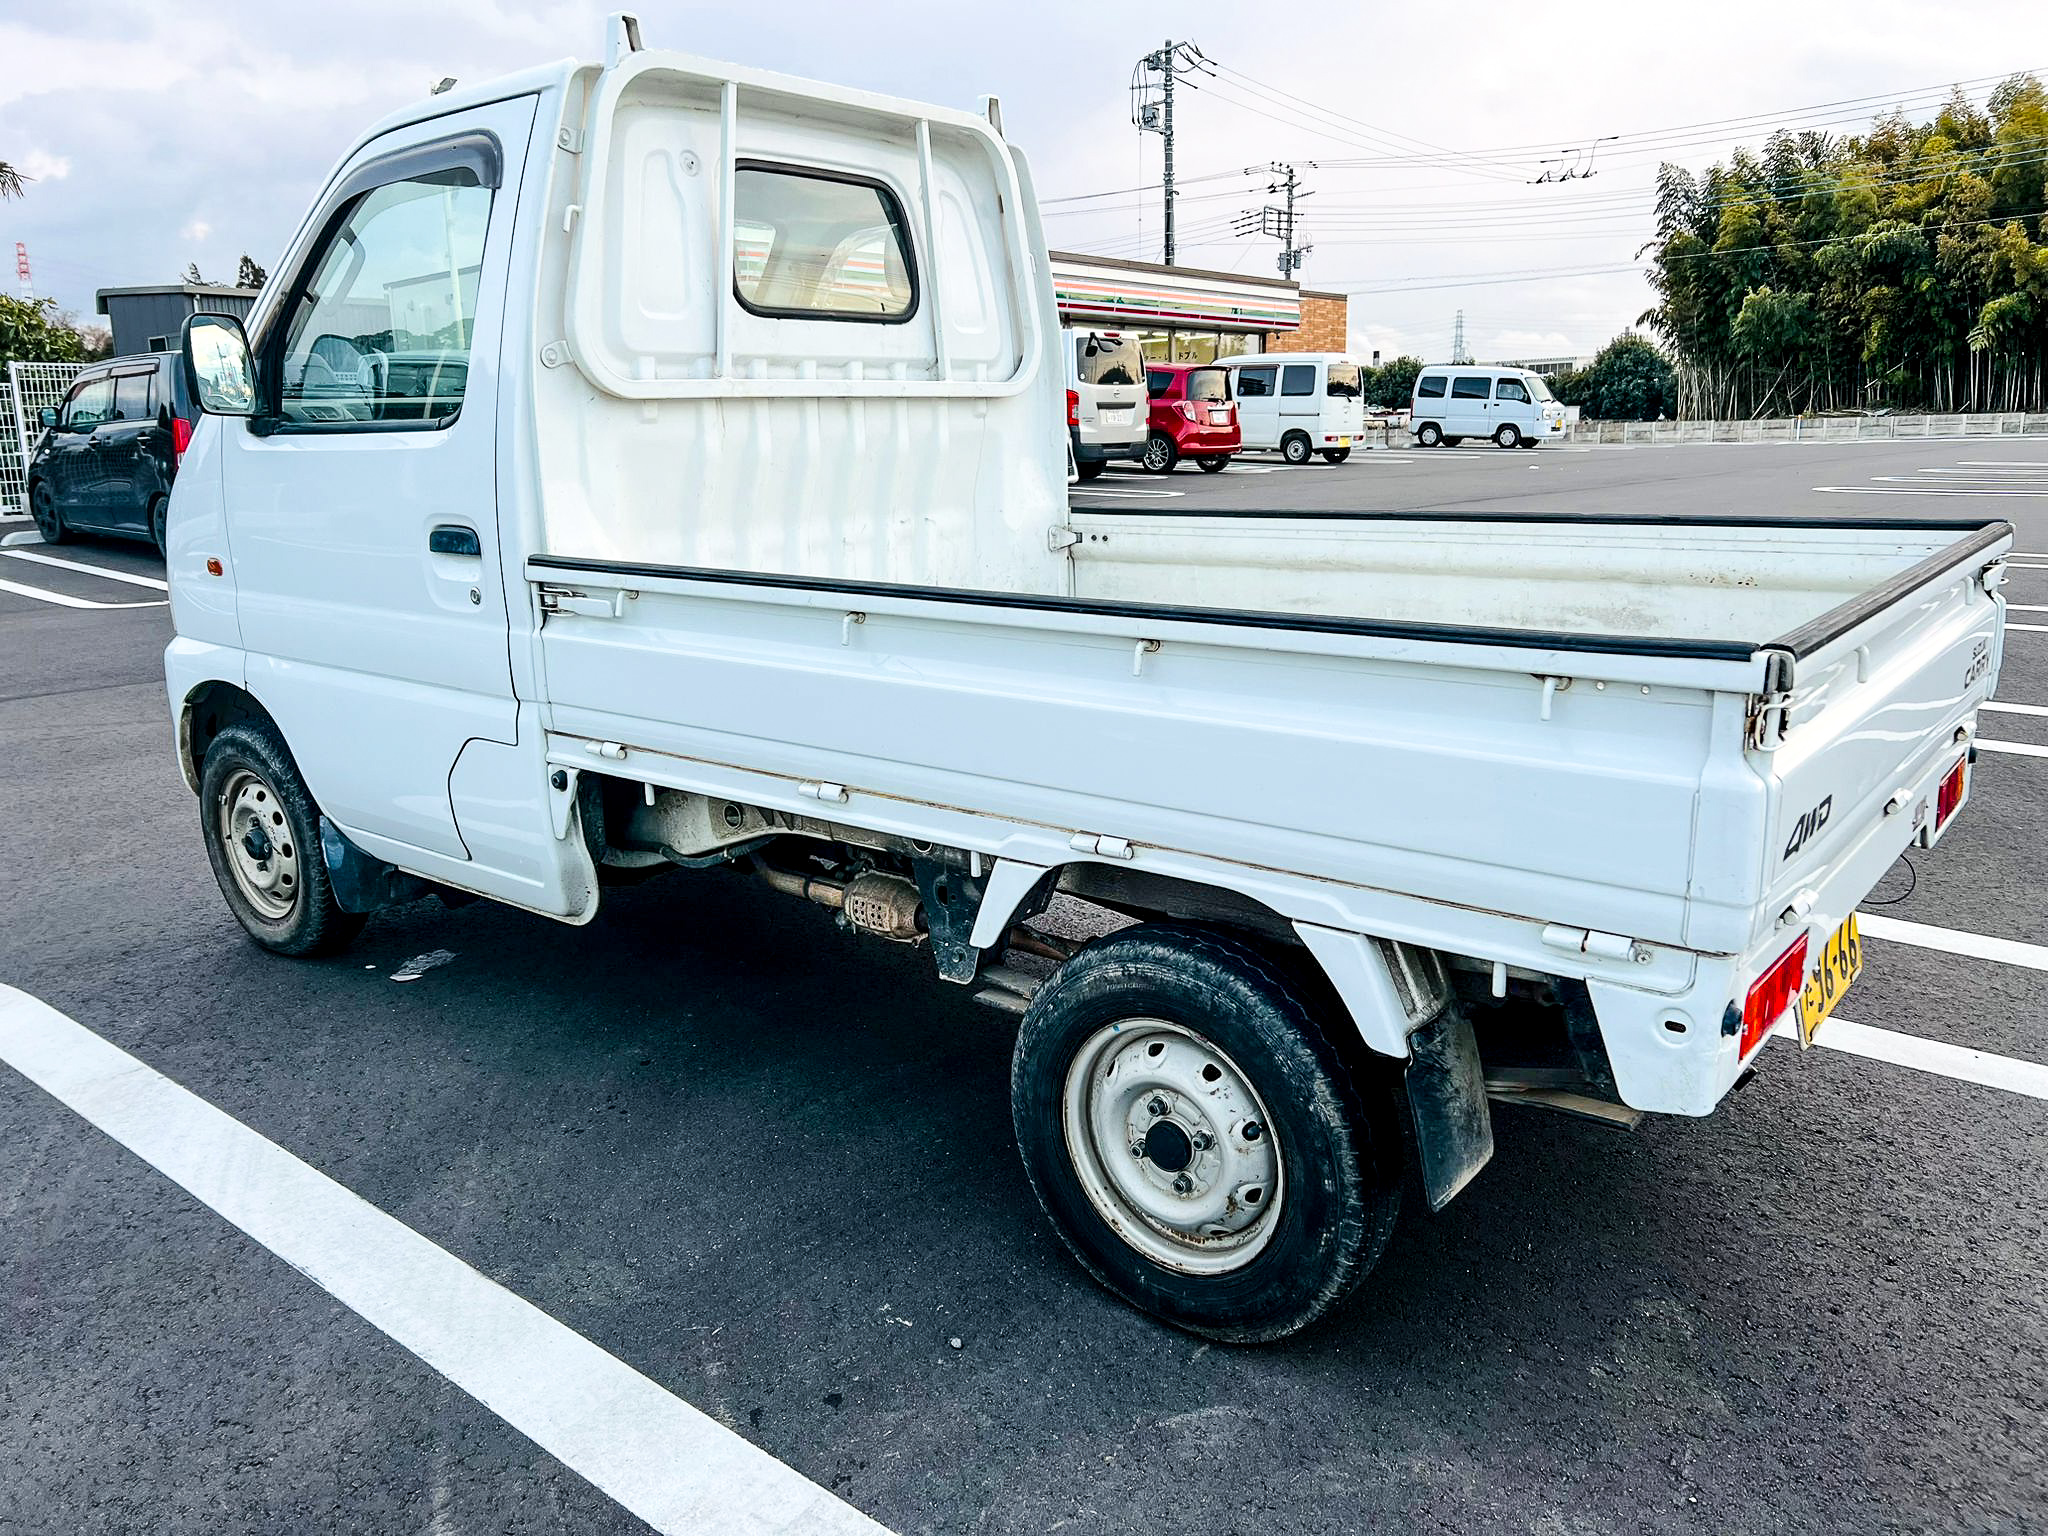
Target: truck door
363 499
1301 402
1469 411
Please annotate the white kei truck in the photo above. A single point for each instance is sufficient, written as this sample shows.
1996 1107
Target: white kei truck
660 464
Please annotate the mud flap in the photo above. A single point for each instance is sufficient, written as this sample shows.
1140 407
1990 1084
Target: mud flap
1447 1097
361 883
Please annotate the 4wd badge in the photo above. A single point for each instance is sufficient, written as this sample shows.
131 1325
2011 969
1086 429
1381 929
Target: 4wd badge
1808 825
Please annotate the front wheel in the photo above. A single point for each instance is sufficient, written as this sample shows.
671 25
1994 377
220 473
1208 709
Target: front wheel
1160 453
1508 435
1336 455
1213 463
1429 434
42 505
1194 1137
262 835
1296 449
159 531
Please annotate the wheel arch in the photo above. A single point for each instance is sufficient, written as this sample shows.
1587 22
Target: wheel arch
208 709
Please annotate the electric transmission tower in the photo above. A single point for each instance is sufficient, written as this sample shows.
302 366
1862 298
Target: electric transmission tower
1278 222
1458 341
1152 79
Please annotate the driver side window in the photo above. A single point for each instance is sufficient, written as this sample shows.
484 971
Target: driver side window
379 330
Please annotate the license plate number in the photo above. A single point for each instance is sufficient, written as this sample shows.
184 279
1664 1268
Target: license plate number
1343 442
1219 418
1119 417
1841 959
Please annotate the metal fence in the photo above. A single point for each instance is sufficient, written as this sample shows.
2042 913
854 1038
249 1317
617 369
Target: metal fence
1815 429
30 387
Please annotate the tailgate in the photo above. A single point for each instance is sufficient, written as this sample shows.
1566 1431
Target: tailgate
1881 694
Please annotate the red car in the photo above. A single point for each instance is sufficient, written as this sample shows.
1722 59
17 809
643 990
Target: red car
1193 417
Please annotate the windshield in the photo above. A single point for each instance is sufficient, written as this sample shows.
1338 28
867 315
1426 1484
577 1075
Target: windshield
1343 381
1538 388
1110 360
1208 384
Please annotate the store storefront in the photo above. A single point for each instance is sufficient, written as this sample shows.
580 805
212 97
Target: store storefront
1178 314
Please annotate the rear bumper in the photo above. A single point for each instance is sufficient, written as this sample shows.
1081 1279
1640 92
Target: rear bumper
1199 442
1103 452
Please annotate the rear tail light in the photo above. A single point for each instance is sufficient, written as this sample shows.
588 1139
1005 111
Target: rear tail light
1073 407
1771 994
1189 409
181 435
1950 795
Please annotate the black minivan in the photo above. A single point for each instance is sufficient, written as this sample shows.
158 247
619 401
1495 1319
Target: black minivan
111 450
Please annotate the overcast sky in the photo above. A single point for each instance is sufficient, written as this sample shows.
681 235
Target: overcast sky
162 135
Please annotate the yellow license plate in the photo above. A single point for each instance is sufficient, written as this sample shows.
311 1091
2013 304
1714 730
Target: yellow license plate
1841 959
1343 442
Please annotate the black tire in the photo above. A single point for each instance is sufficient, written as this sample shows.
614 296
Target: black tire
1452 442
42 505
159 532
1088 469
1429 434
1161 454
1296 449
1214 463
1339 1168
249 762
1508 435
1336 455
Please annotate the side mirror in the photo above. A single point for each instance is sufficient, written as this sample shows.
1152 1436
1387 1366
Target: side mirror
47 416
218 367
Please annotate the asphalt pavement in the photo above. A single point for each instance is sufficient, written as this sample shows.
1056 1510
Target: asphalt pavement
770 1166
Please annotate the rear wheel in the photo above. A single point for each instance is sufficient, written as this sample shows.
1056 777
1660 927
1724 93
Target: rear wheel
1336 455
262 834
1088 469
1508 435
159 512
1429 434
1295 448
1194 1137
42 505
1160 453
1213 463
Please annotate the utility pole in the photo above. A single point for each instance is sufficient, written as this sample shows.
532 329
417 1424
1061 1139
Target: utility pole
1152 107
1279 222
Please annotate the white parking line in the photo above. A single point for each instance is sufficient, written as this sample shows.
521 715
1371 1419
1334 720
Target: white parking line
2026 607
2039 629
1923 1055
1953 941
2014 709
106 572
2017 748
674 1467
65 600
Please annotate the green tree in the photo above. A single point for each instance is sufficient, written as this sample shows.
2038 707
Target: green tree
248 274
31 331
1629 380
10 180
1392 385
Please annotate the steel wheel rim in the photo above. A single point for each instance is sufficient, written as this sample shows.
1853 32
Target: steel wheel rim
1296 451
1139 1095
262 853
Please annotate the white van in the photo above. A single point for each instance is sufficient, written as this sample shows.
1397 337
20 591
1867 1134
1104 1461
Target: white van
1106 409
1302 403
1512 406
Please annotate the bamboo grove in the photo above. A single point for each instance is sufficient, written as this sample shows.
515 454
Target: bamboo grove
1903 269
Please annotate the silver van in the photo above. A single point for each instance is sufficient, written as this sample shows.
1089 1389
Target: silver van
1106 408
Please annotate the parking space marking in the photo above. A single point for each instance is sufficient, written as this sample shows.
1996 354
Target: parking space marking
2014 709
1953 941
1961 1062
673 1466
2017 748
106 572
2039 629
2026 607
65 600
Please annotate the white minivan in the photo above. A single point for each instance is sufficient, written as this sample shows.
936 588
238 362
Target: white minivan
1512 406
1302 403
1107 414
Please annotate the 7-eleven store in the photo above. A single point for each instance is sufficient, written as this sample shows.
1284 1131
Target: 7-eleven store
1186 315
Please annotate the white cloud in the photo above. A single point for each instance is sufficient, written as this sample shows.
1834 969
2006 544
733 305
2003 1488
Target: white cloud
197 231
39 166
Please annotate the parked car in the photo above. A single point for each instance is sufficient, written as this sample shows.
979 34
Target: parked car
1512 406
1193 416
1302 404
110 451
1106 417
1412 811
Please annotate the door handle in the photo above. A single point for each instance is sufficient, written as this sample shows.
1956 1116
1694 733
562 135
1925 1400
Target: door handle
454 539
